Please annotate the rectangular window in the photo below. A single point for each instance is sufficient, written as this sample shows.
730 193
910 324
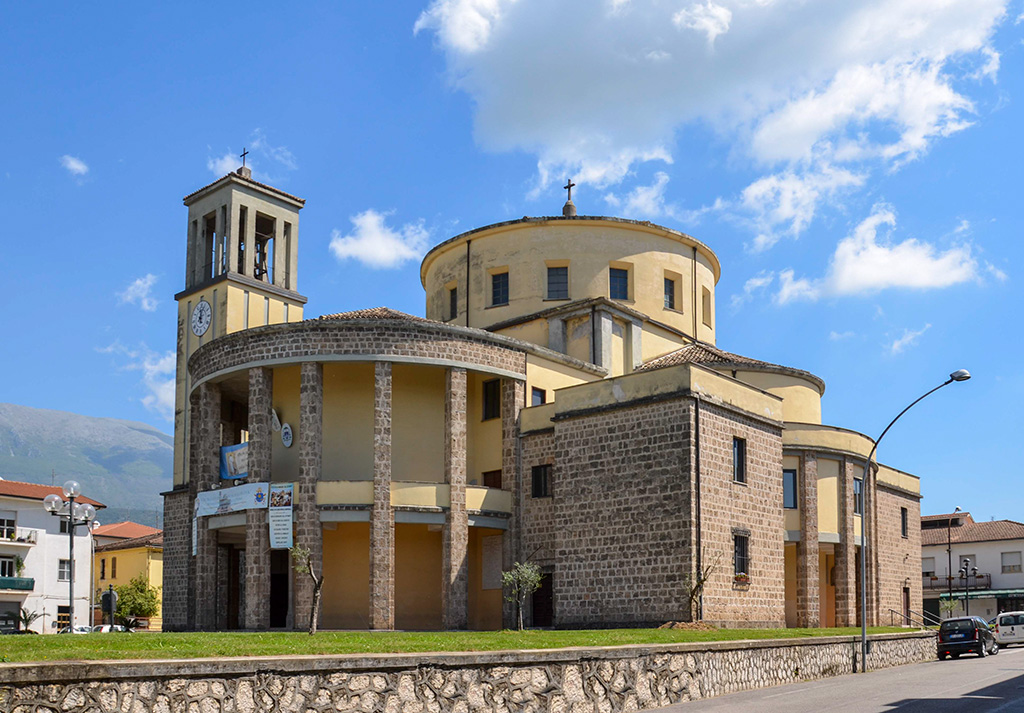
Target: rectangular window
453 303
492 399
64 570
1011 562
541 481
103 568
492 479
63 616
904 523
789 489
739 460
499 289
706 307
618 283
858 496
538 397
927 566
558 283
63 526
7 524
113 567
7 567
670 294
740 554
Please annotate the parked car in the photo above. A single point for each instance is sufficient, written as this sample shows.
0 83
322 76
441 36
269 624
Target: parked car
1009 628
77 629
107 628
966 635
18 631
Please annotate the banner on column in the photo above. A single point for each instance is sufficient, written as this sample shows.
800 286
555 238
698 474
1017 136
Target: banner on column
280 515
231 499
195 528
234 461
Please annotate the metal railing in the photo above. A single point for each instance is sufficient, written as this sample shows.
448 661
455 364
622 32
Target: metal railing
20 535
913 618
978 581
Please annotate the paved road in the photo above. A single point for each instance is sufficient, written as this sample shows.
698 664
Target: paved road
990 685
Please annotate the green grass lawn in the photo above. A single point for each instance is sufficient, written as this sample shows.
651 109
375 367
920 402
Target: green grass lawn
63 647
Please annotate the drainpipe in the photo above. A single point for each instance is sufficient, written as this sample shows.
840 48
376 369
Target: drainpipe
693 272
593 337
467 281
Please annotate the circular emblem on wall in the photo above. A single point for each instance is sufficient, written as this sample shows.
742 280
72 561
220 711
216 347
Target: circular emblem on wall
286 435
202 316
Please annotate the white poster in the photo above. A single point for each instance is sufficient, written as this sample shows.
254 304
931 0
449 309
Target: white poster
280 515
492 557
195 528
231 499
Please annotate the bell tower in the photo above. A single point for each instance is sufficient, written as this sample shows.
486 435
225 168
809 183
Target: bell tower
241 272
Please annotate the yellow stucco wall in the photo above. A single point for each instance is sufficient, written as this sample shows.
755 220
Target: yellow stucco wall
348 422
417 577
552 375
417 423
483 447
590 247
344 492
898 478
130 564
657 342
484 604
828 495
284 465
826 586
346 590
802 400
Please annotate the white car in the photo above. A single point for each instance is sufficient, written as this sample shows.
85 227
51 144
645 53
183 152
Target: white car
106 628
1009 628
76 629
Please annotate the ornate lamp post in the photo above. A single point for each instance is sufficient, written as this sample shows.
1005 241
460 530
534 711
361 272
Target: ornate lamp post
75 514
949 552
958 375
967 572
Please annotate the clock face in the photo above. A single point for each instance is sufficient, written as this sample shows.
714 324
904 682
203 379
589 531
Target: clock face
202 316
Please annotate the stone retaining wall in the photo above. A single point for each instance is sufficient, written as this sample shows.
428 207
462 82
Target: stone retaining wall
578 680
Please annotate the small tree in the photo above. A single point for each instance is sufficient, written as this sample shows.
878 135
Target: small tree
947 607
694 582
520 582
26 617
304 565
137 599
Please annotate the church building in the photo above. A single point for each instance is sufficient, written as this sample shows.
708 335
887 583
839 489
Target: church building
564 402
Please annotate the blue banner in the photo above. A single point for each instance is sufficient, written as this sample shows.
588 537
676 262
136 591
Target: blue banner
234 461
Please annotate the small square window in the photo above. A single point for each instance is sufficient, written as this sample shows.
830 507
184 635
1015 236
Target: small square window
927 566
64 570
538 397
618 283
541 481
558 283
453 303
1010 562
492 479
858 496
904 523
63 527
740 555
492 399
739 460
670 293
789 489
8 527
499 289
7 568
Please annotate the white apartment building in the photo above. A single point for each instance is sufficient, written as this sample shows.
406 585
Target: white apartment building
993 581
35 569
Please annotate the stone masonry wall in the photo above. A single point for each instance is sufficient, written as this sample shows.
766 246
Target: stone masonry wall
605 680
177 559
625 545
899 558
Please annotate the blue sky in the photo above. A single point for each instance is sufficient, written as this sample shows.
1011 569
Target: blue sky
855 166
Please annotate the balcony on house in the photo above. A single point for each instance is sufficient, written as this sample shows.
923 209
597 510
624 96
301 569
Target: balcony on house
23 536
17 584
959 584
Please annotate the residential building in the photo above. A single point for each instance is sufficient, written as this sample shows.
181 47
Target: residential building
35 567
563 401
118 560
993 548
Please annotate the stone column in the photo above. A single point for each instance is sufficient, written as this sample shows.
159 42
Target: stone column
846 551
190 253
455 543
602 337
204 454
807 581
556 334
257 534
513 396
291 235
249 269
308 531
634 335
382 517
233 231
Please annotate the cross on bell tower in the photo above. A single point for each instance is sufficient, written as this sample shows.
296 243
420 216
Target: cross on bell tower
569 209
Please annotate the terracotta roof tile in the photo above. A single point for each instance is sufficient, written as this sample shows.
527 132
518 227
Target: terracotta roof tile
974 532
375 313
125 530
154 539
32 491
239 177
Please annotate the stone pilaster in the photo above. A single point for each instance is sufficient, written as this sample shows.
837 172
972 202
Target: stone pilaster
308 531
382 517
846 551
257 534
602 338
204 454
513 396
807 583
455 543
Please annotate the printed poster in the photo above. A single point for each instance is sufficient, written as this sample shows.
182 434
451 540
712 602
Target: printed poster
234 461
247 496
195 528
280 515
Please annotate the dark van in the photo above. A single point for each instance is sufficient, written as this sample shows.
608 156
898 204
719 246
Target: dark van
966 635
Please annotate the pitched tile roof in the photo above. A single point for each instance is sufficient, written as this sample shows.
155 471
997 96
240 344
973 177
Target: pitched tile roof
971 531
125 530
708 355
32 491
154 539
244 179
375 313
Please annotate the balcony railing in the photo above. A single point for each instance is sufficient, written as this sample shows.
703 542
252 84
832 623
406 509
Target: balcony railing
942 584
18 535
19 584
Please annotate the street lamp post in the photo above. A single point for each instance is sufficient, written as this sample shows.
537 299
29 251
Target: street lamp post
75 514
949 552
958 375
966 571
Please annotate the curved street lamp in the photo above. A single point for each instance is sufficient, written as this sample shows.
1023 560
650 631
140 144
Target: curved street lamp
76 514
958 375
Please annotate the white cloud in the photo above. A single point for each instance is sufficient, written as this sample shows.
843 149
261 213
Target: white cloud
223 164
840 336
796 87
755 285
157 375
263 159
74 165
378 246
644 202
908 339
711 19
866 262
140 293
